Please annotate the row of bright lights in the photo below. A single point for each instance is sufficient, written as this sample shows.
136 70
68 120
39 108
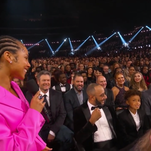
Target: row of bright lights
57 42
141 46
125 44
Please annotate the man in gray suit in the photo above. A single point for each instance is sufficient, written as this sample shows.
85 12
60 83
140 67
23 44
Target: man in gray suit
74 98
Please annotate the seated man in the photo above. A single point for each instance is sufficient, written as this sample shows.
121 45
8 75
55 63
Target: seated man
74 98
94 123
62 86
53 130
110 98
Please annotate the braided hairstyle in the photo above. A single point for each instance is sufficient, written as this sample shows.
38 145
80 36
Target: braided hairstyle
8 43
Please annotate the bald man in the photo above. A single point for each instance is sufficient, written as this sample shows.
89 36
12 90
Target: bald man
101 80
94 123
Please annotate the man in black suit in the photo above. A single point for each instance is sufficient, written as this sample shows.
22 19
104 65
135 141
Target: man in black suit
53 129
62 85
74 98
94 123
101 80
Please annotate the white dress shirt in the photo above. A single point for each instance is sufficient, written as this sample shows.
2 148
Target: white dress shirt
63 88
104 132
136 119
47 98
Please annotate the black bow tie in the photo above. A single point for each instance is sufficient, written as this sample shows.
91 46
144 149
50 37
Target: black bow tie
63 85
93 107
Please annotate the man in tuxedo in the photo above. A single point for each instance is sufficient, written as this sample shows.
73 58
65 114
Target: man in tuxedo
53 129
94 123
74 98
62 86
101 80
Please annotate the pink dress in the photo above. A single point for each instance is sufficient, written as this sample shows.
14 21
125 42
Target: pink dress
19 124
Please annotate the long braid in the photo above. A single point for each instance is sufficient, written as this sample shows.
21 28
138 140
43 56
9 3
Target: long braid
8 43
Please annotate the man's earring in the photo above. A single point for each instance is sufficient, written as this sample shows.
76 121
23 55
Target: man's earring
10 61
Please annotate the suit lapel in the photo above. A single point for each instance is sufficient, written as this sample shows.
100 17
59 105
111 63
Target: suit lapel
84 96
130 118
52 104
86 111
109 119
74 96
140 117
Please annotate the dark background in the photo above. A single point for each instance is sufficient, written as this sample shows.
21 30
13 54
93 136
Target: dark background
57 19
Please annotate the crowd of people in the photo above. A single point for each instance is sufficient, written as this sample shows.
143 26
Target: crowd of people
128 72
76 103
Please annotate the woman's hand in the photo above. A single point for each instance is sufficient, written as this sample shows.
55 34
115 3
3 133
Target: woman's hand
37 103
47 149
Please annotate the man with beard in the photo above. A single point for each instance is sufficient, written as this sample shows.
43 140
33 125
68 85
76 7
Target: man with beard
74 98
94 123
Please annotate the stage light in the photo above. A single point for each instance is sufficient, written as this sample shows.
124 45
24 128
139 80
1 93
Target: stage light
35 44
89 52
148 27
82 44
65 39
98 48
21 41
60 46
135 35
71 45
95 43
51 50
72 53
125 44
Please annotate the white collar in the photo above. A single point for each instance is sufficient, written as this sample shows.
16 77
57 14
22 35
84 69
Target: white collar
90 105
44 93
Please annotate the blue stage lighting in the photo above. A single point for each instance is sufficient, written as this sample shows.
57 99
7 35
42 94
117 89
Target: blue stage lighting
60 46
82 44
51 50
135 35
65 39
125 44
35 44
71 45
148 27
21 41
89 52
98 48
96 43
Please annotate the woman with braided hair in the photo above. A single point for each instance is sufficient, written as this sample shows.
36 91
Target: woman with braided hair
19 122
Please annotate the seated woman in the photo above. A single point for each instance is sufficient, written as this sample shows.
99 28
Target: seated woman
133 122
119 91
90 75
112 81
138 82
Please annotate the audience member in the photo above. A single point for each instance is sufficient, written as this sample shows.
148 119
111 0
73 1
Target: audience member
101 80
119 91
74 98
132 122
94 123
